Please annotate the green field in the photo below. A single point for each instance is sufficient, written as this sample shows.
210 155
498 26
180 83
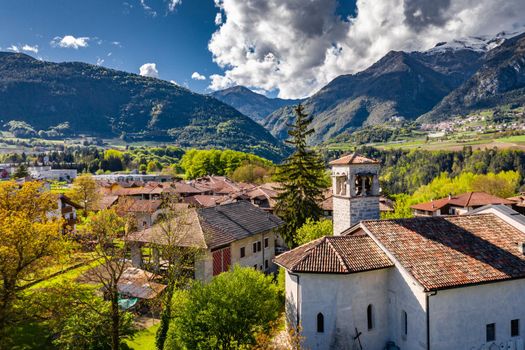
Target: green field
144 339
450 142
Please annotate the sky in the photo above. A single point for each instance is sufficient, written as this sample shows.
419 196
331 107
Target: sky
285 48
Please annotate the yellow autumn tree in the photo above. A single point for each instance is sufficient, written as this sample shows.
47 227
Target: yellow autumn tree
85 192
30 237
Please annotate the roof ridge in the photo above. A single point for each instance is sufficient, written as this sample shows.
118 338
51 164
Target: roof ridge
308 251
338 254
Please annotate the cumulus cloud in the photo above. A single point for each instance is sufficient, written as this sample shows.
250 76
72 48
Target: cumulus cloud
298 46
172 4
198 76
29 48
13 48
100 61
69 41
218 19
149 70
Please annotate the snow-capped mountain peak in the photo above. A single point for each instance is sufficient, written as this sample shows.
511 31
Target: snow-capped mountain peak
482 43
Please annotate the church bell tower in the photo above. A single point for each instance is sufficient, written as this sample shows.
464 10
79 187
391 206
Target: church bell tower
355 189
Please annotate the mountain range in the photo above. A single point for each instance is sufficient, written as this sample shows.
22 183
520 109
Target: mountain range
72 98
251 104
450 79
76 98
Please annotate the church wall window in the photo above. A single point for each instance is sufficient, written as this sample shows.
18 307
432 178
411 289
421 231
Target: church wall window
370 317
320 323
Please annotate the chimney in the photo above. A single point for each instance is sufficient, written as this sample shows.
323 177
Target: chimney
449 196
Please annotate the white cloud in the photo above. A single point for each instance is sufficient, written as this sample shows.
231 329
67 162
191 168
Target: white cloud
218 19
99 61
29 48
148 9
298 46
149 70
69 41
174 82
198 76
13 48
172 4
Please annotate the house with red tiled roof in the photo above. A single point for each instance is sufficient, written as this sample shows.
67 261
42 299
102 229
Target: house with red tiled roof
429 282
457 205
229 234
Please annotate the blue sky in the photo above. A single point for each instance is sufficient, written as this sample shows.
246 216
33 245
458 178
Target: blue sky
124 34
176 41
289 48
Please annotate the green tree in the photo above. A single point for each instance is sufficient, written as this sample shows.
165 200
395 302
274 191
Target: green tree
251 173
314 229
108 230
225 314
21 172
113 160
153 166
302 181
77 317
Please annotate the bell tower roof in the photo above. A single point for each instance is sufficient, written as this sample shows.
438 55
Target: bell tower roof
353 158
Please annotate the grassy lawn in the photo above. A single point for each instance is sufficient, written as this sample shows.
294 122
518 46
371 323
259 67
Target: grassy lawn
516 139
145 339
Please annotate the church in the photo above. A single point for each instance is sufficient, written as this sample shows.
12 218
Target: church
442 282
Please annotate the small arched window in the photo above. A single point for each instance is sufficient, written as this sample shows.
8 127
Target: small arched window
370 317
320 323
405 323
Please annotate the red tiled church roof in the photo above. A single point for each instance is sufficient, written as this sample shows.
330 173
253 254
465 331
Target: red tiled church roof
451 251
353 159
335 254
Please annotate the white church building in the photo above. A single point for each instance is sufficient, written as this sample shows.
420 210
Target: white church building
449 282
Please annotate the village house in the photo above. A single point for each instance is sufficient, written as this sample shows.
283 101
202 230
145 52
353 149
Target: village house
144 211
236 233
457 205
131 177
67 209
437 282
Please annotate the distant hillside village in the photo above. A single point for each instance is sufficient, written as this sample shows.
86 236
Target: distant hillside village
445 279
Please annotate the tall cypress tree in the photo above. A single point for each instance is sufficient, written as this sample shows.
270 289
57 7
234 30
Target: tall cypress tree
302 181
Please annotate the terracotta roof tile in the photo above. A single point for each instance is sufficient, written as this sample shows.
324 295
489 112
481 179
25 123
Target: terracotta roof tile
161 233
468 199
353 159
450 251
335 254
226 223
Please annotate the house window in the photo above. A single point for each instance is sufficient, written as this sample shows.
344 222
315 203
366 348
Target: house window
515 328
491 332
259 246
369 317
255 267
266 242
320 323
254 246
243 252
266 264
404 318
